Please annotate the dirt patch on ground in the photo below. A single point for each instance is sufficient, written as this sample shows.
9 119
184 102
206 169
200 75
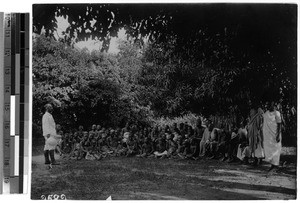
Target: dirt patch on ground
165 179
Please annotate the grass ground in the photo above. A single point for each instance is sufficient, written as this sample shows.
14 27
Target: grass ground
165 179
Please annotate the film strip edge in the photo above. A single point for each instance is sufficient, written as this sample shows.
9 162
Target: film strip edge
7 93
2 99
15 88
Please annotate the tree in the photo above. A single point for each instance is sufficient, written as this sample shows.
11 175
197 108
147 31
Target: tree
86 84
209 58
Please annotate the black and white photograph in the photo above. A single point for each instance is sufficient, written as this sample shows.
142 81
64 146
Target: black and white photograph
164 101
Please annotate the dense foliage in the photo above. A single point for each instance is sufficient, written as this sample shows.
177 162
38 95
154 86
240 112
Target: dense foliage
92 87
209 59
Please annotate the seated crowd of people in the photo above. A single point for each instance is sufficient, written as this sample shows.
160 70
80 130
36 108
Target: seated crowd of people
177 141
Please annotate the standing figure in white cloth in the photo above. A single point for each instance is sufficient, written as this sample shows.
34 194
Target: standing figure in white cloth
50 135
272 136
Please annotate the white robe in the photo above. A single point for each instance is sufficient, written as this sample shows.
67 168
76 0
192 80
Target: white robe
48 125
271 146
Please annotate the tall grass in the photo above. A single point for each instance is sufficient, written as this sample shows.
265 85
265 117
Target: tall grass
190 119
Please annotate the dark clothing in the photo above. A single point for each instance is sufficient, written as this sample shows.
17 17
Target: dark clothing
197 139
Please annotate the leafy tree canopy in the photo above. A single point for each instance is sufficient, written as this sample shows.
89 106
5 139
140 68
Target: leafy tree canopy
209 58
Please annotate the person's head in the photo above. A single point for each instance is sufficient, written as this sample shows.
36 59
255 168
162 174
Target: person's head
199 122
179 139
168 136
163 135
58 127
186 135
175 137
112 132
271 106
186 126
94 127
210 126
103 135
190 129
167 128
208 123
49 108
181 126
252 112
171 136
93 141
260 111
98 127
145 131
80 128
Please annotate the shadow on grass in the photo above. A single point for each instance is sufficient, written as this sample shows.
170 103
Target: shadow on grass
132 178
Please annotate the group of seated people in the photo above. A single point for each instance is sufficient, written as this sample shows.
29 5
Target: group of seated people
183 141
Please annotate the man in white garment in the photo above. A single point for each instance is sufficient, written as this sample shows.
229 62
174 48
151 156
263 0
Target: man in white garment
272 136
50 135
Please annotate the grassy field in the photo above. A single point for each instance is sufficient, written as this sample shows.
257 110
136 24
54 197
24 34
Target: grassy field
165 179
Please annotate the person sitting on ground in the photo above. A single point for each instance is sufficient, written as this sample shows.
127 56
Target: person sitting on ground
109 138
223 144
168 138
187 151
186 127
182 129
161 147
172 146
213 143
80 131
243 149
119 142
90 135
94 153
180 146
146 148
139 139
105 150
197 137
167 129
205 139
86 148
85 143
131 146
233 143
77 152
100 144
114 142
93 131
89 149
72 137
174 128
154 137
62 141
59 140
67 143
126 134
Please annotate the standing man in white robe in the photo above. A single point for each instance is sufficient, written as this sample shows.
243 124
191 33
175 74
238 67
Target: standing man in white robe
50 135
272 136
